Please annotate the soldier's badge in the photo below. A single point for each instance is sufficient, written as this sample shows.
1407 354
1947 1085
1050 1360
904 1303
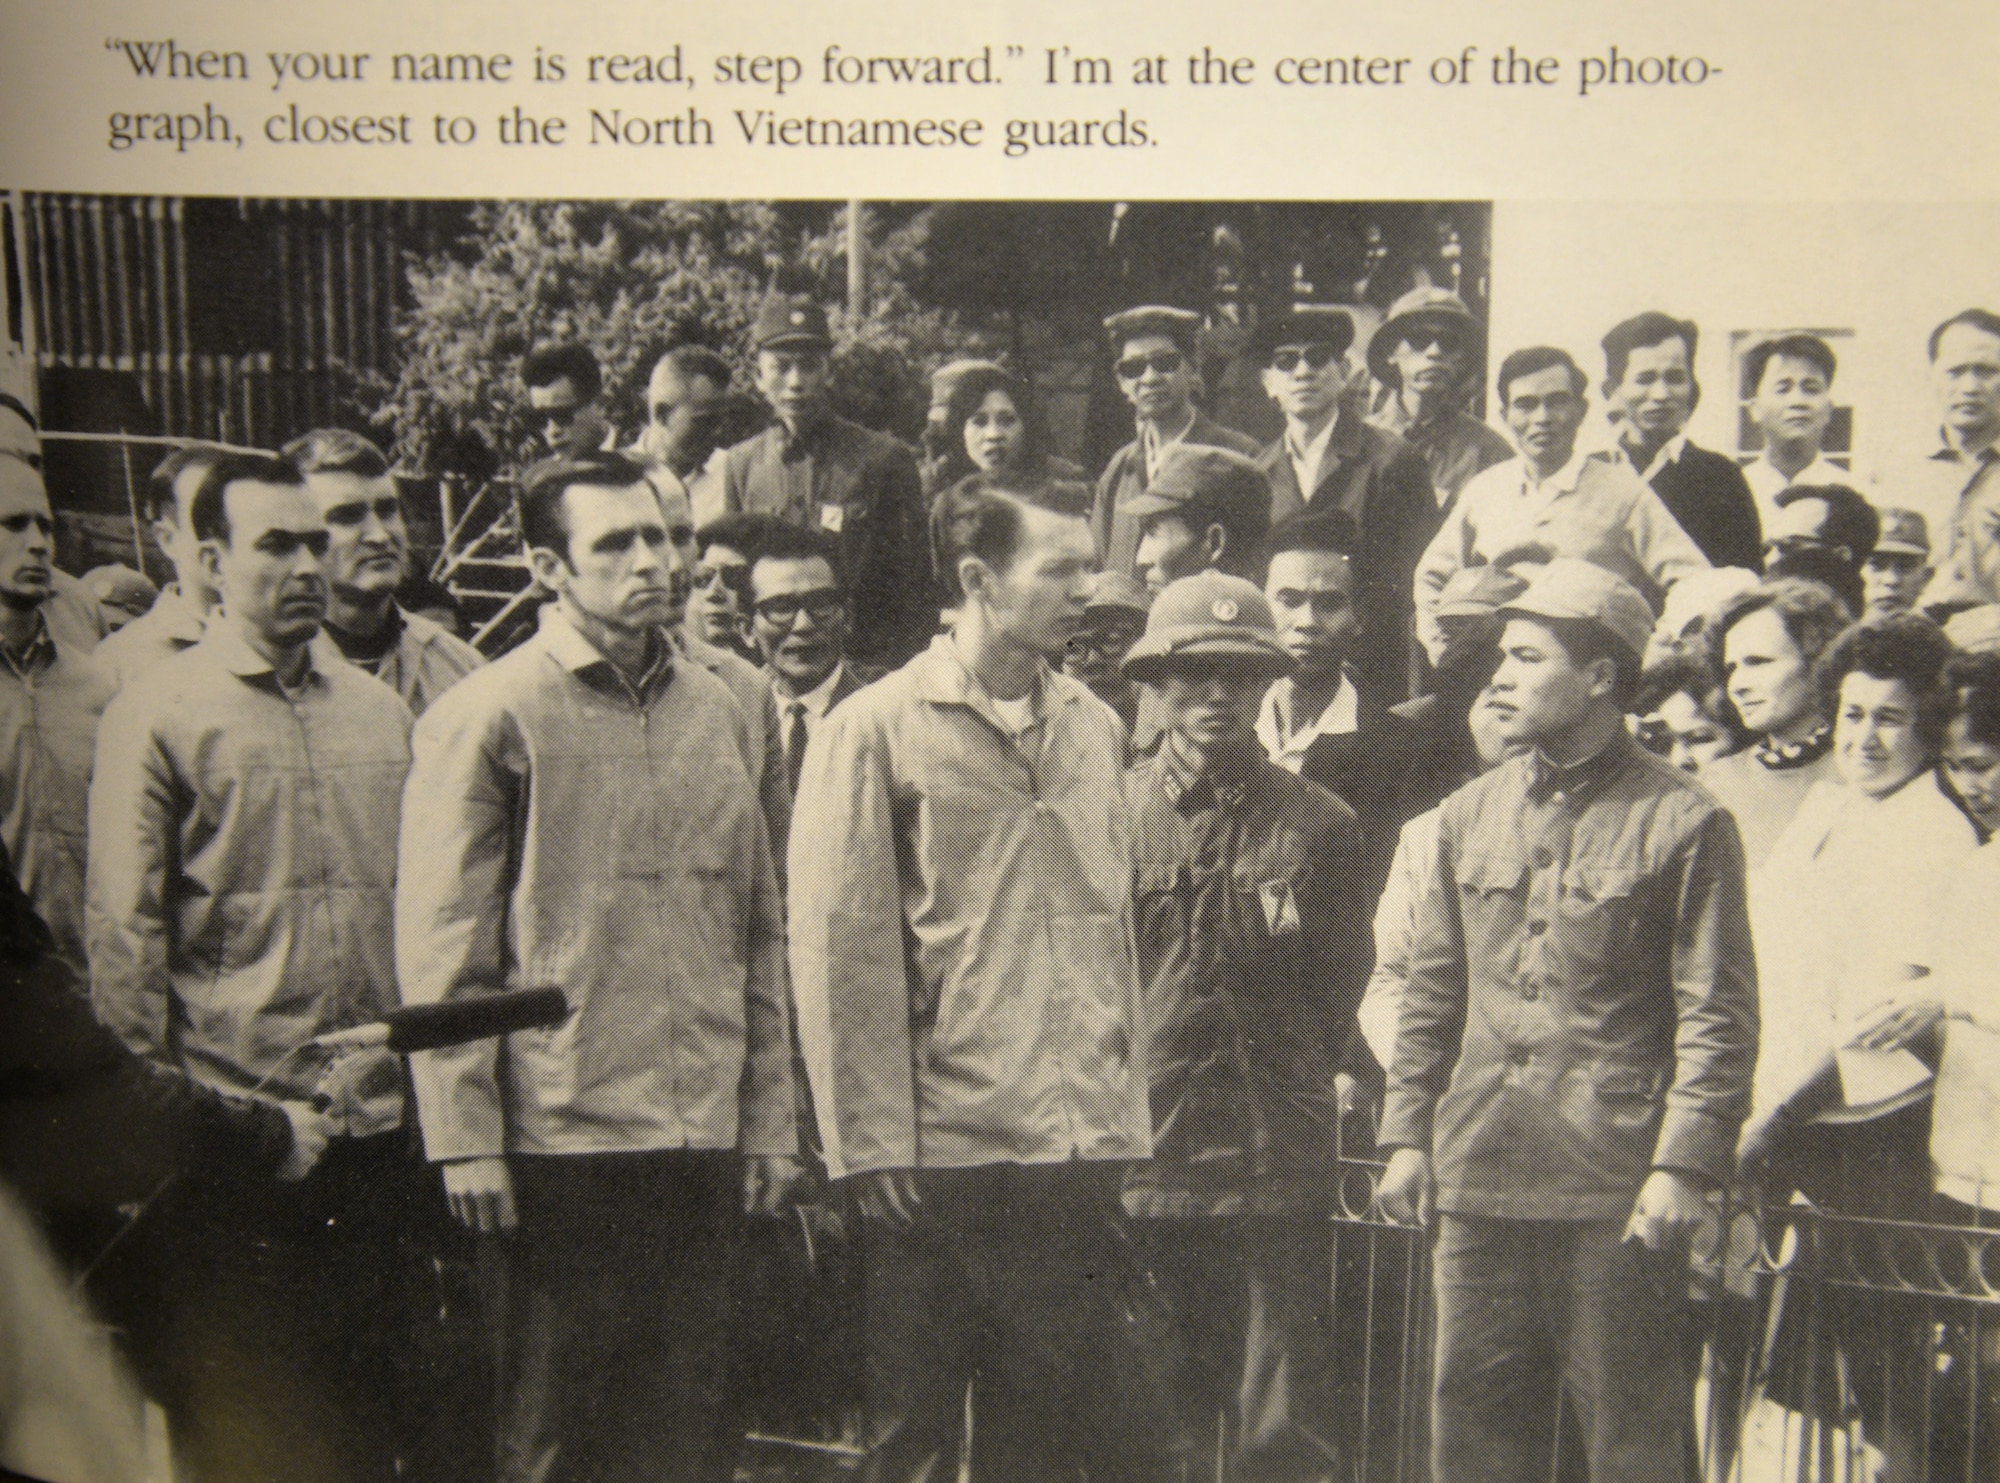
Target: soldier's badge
1281 907
831 518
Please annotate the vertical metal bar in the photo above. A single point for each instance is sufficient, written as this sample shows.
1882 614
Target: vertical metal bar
29 327
857 263
132 507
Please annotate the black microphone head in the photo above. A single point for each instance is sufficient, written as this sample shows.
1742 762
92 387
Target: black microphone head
455 1022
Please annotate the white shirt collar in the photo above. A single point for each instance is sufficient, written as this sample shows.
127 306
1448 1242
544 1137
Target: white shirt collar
1670 452
1288 748
1152 443
1563 481
1307 461
816 700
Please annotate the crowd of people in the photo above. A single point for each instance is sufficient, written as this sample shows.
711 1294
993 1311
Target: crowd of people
992 903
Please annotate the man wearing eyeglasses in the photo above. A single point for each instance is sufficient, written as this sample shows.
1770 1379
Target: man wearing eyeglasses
1153 351
1426 353
687 402
799 616
720 608
50 699
819 471
1330 458
564 393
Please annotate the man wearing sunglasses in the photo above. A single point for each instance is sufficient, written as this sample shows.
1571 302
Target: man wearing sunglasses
565 390
50 699
1425 355
1153 357
1330 458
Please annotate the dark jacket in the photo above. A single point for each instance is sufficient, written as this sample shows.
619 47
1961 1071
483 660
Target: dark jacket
1708 495
862 487
1367 769
1581 1006
85 1122
1118 535
1385 486
1253 952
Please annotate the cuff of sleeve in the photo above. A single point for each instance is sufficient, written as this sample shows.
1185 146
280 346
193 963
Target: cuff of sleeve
1695 1143
1406 1123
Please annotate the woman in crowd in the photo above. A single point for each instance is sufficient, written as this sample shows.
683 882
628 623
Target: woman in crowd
988 430
1851 923
1764 644
1684 716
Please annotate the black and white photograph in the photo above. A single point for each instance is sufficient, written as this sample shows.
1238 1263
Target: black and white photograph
999 841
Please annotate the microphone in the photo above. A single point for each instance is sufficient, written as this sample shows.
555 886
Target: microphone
417 1027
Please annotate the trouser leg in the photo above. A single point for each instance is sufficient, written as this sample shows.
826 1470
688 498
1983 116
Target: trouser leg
616 1307
1493 1405
1626 1359
1285 1426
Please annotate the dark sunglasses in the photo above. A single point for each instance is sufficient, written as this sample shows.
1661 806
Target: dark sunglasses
1316 357
1424 339
560 416
1165 362
822 606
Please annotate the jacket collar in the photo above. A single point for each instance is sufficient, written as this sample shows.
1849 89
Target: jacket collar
943 679
222 639
1580 781
577 654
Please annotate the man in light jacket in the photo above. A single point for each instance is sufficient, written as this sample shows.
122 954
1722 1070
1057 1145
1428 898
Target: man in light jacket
962 956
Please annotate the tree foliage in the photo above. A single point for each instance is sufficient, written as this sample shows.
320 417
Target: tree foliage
629 279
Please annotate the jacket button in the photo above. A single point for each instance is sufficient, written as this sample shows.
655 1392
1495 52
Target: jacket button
1543 859
1537 926
1530 992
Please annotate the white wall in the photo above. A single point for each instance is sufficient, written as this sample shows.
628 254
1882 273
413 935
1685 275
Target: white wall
1565 272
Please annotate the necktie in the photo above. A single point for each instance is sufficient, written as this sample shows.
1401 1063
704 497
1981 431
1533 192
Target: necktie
795 744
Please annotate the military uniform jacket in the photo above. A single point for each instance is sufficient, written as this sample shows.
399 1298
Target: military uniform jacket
1581 1006
1253 952
863 489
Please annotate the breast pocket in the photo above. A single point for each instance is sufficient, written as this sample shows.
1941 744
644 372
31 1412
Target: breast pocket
1599 911
1492 895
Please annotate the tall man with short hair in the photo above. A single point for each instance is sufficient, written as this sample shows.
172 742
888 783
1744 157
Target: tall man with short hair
961 940
243 820
1582 505
1427 353
582 813
817 470
1572 1059
1789 384
1154 357
51 697
368 560
687 405
1329 458
1650 392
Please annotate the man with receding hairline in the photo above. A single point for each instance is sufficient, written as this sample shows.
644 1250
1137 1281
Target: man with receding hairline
583 813
243 819
180 613
687 403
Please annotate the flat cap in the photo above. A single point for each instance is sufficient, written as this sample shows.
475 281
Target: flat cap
1209 616
1438 307
1479 591
1569 588
1114 591
1191 473
1904 533
1306 324
1976 630
1178 325
790 319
